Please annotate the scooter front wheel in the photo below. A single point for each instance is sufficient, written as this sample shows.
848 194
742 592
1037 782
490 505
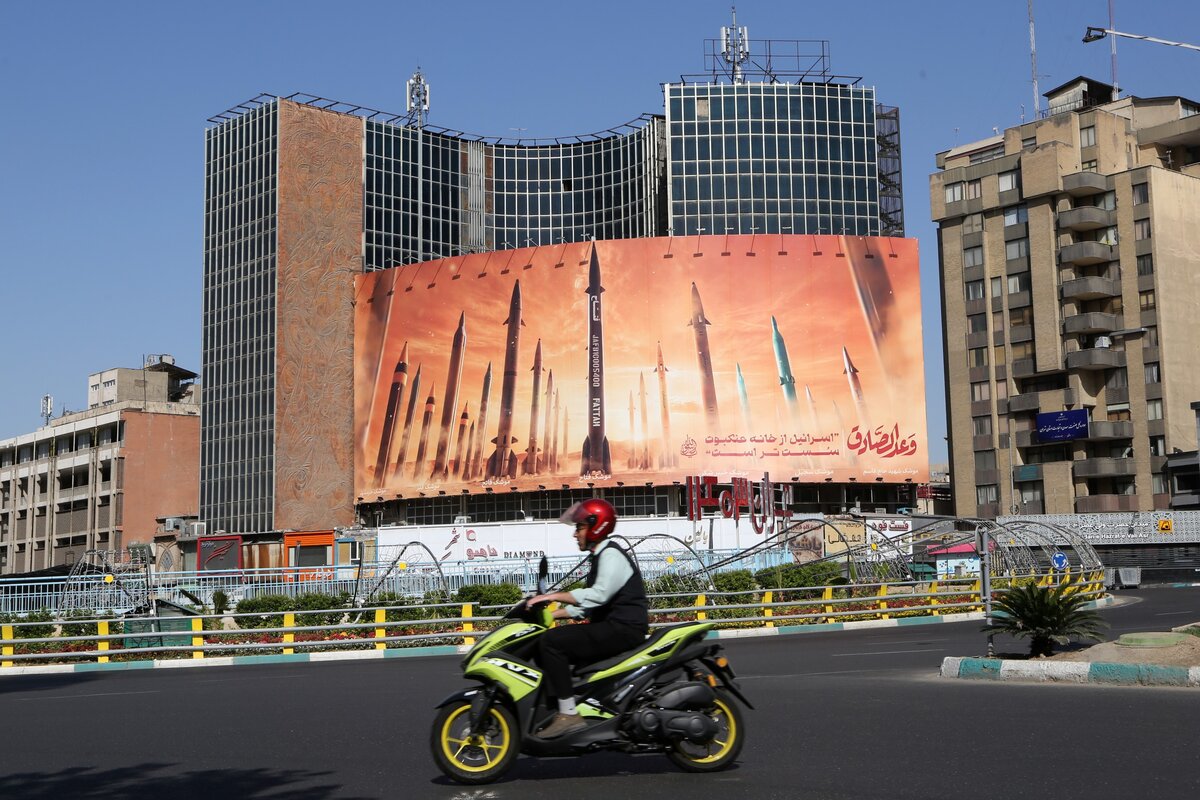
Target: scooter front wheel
474 757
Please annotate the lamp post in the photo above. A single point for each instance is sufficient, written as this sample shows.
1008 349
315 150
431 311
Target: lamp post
983 540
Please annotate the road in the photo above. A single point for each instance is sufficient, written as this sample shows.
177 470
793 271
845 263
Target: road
840 716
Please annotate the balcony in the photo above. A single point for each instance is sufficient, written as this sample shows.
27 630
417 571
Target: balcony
1086 218
1090 288
1103 430
1104 467
1051 399
1091 322
1106 503
1025 402
1083 184
1096 358
1024 367
1084 253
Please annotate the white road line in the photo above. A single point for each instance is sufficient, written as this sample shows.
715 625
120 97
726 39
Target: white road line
890 652
76 696
1172 613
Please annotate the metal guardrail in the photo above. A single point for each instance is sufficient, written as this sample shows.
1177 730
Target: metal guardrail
816 604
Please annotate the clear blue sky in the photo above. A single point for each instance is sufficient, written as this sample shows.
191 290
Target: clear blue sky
105 104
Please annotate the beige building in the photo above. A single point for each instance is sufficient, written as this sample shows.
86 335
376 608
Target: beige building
99 479
1069 251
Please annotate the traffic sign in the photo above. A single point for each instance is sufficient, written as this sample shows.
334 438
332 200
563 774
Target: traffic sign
1059 560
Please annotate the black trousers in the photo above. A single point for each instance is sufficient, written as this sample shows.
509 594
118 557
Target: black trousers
567 645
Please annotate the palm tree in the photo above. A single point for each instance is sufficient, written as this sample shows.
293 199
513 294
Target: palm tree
1046 615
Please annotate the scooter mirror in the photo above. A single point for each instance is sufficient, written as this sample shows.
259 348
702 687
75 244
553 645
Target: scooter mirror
543 576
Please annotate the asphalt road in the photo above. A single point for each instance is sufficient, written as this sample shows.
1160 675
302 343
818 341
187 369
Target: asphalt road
841 715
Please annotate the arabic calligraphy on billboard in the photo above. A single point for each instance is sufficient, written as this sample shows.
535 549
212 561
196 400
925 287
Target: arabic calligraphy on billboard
1062 426
641 361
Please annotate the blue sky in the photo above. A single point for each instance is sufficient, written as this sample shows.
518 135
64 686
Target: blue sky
105 106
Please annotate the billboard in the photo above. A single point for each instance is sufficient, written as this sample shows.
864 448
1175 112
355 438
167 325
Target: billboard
1062 426
641 362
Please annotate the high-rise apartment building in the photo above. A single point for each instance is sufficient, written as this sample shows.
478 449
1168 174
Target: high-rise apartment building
98 479
1069 251
302 193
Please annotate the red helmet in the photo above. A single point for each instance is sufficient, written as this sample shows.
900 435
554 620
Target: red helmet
599 516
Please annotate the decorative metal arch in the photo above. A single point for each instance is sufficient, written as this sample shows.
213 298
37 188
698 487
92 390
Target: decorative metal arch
403 584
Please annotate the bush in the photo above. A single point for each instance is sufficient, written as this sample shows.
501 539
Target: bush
1045 615
220 602
313 601
738 580
264 604
790 576
489 594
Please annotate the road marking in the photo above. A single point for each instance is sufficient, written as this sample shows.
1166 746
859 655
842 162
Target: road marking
76 696
890 652
1172 613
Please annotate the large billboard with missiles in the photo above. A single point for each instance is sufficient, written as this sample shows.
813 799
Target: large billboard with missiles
641 361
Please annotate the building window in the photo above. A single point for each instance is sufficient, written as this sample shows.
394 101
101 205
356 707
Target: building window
1145 265
1150 339
1022 350
977 357
1154 411
974 292
987 494
1028 142
1141 229
954 192
1019 282
973 257
1002 390
1017 248
1118 412
1020 316
1157 484
1146 300
1152 374
1015 215
982 425
977 323
981 391
1008 180
999 356
1105 235
1088 166
997 287
1158 445
1141 193
974 189
1087 136
1105 200
985 460
972 223
1117 379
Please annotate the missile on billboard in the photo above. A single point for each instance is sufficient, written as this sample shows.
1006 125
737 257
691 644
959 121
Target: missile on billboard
473 461
464 464
629 460
409 416
645 464
744 398
554 437
531 465
423 442
460 448
873 287
503 461
668 457
547 447
851 373
450 402
595 458
786 379
399 378
704 356
812 408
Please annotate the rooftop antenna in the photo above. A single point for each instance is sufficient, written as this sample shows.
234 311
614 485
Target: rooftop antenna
418 107
47 408
735 47
1037 98
1112 40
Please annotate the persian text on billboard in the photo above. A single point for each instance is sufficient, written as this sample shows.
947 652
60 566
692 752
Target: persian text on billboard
645 360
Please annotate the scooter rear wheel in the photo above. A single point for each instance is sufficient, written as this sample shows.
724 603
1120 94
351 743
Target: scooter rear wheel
723 749
474 758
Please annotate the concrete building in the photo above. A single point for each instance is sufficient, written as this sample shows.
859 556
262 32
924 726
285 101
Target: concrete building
303 192
98 479
1069 253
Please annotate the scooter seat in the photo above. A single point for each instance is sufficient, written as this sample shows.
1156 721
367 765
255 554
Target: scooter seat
584 670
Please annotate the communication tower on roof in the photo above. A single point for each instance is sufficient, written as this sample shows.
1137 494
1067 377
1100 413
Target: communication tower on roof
735 48
47 407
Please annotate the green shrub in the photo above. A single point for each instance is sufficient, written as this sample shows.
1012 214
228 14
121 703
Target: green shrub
675 584
738 580
490 594
791 576
1045 615
313 601
264 604
220 602
42 631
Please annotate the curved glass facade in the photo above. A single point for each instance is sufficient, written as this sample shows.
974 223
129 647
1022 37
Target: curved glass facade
481 195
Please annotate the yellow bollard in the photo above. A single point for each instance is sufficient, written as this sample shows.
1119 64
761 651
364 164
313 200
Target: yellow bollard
827 595
700 601
468 626
289 621
933 601
768 598
882 596
380 618
197 641
102 630
6 632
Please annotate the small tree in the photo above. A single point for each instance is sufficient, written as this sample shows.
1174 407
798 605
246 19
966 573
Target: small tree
1045 615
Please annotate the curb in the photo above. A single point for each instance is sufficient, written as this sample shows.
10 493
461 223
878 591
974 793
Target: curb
449 650
995 669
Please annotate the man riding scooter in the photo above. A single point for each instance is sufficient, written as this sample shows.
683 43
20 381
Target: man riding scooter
612 602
